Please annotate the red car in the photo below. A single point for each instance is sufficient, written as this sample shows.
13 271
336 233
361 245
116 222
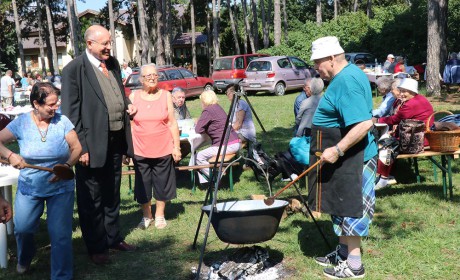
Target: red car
170 77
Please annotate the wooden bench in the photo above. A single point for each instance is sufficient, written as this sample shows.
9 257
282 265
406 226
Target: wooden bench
445 165
131 172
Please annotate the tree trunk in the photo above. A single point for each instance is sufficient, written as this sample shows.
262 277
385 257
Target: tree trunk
168 31
369 8
233 25
436 52
265 26
136 41
285 23
215 29
336 9
208 29
247 26
277 23
160 57
74 25
319 16
40 38
144 32
255 25
19 37
55 66
355 6
112 29
192 21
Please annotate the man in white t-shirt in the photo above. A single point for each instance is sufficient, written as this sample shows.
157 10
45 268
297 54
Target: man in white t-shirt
7 89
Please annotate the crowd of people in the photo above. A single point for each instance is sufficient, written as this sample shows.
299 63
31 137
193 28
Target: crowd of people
100 129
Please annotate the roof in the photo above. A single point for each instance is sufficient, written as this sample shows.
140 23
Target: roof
32 43
186 39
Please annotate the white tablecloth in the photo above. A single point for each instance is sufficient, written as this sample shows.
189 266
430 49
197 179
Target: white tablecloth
16 111
8 177
373 76
196 140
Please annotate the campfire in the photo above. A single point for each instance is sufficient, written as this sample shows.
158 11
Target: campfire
247 263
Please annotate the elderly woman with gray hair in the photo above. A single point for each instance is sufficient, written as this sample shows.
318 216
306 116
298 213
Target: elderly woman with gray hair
384 86
313 89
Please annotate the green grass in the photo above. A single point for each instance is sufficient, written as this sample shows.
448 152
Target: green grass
415 233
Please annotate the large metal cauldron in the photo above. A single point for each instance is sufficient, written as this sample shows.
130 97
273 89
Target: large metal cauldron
246 221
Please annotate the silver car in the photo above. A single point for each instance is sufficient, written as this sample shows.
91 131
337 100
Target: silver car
276 74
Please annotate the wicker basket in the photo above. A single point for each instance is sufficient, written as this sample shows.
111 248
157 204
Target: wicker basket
442 141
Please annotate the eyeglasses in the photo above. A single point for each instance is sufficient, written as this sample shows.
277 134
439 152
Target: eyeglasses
106 44
150 76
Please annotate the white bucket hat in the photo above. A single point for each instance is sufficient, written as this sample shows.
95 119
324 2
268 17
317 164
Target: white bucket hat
324 47
409 84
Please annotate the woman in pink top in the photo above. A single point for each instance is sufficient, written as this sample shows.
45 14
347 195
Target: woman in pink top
156 146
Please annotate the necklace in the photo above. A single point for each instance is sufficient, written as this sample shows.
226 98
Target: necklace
43 133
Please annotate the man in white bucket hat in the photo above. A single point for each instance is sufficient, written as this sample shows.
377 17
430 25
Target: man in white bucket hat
344 184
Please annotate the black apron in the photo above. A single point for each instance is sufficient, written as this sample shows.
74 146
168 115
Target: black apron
336 188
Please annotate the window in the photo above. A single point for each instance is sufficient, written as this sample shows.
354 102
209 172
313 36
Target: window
162 76
284 63
173 74
187 74
259 66
223 64
239 62
60 59
299 64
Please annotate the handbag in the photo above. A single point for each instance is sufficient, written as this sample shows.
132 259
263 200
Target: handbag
411 136
300 149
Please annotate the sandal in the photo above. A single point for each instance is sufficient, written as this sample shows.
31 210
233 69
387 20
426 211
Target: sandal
160 222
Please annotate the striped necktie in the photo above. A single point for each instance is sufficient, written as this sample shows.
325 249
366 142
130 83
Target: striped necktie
104 69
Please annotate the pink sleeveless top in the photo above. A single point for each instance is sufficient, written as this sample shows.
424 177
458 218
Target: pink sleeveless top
152 137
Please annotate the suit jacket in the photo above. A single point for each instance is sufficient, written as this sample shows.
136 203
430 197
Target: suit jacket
83 103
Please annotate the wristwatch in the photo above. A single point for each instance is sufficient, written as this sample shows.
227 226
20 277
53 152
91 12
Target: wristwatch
339 151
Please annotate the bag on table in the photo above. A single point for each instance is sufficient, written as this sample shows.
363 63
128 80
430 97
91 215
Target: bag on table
411 136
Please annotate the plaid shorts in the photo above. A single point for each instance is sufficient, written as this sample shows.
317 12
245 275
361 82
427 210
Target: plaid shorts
349 226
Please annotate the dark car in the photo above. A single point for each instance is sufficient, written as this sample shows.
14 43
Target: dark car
170 77
276 74
361 58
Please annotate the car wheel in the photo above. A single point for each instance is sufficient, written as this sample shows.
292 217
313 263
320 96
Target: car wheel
280 89
208 87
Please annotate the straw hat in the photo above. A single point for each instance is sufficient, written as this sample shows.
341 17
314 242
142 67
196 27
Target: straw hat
410 85
325 46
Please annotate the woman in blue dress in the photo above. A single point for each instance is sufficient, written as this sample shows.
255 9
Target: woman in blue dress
45 138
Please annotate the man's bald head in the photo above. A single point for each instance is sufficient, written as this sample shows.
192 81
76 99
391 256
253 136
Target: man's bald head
95 31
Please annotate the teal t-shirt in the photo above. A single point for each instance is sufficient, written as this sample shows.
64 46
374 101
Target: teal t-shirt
347 101
54 150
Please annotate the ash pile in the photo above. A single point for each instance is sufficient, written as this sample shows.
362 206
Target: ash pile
247 263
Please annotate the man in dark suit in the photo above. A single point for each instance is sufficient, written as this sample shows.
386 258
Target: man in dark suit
93 99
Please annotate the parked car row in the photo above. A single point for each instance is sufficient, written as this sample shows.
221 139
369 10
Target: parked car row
253 72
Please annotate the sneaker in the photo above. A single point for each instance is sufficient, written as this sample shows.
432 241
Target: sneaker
333 258
145 223
382 183
21 269
343 271
392 180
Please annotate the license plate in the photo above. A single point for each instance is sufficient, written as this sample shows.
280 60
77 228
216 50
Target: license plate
254 85
219 83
